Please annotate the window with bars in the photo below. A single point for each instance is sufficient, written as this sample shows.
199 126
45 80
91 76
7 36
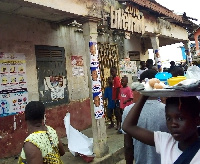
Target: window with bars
51 74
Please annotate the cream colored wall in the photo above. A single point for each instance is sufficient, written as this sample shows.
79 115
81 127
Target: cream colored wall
165 28
75 6
80 7
94 8
20 35
152 27
132 44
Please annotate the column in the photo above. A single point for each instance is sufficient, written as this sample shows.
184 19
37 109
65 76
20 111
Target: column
155 44
157 57
188 54
196 38
100 147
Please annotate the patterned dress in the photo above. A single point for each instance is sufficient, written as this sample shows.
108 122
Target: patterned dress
47 142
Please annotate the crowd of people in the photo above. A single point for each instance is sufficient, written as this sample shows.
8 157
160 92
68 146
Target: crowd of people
156 130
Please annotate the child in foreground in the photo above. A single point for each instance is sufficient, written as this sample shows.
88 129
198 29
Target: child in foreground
126 98
111 103
115 94
182 119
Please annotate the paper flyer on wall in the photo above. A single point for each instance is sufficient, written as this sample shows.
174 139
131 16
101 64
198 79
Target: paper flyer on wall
77 65
96 81
13 83
57 85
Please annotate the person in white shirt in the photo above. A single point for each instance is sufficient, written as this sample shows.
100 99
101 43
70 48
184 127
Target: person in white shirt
152 118
158 61
182 120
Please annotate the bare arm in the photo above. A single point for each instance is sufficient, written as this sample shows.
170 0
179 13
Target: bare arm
130 124
33 154
128 148
61 148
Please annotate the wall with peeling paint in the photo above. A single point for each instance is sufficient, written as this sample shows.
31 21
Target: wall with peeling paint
13 128
80 7
196 38
164 28
20 35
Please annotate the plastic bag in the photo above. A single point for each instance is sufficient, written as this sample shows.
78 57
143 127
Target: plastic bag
193 72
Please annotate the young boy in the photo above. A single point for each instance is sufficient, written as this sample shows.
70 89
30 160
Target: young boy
126 98
115 93
111 103
126 94
182 119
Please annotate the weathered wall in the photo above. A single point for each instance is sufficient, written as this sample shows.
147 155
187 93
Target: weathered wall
20 35
164 28
80 7
13 128
132 44
196 38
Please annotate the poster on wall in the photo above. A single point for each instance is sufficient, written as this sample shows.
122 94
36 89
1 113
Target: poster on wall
56 84
77 65
13 83
96 81
128 68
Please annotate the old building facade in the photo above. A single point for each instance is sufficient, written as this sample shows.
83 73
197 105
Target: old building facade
51 35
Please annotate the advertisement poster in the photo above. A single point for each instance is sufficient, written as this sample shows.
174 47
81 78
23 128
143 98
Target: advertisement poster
128 68
96 81
77 65
13 84
56 84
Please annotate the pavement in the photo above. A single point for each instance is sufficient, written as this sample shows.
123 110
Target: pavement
115 143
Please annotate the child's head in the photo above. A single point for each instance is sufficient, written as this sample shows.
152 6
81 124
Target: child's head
113 71
124 81
142 64
109 80
182 117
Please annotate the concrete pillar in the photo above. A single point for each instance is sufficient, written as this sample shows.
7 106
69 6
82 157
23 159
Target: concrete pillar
157 55
100 147
196 38
155 44
188 54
